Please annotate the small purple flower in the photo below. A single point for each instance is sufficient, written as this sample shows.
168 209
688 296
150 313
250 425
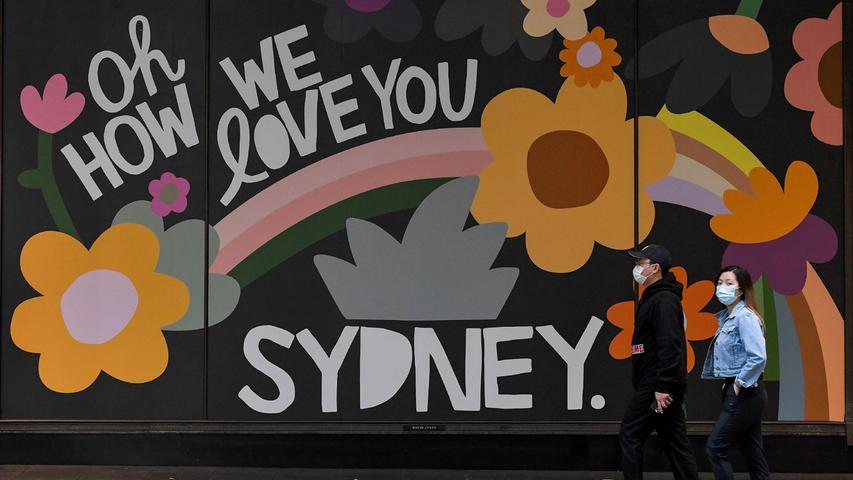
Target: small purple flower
168 194
783 261
349 20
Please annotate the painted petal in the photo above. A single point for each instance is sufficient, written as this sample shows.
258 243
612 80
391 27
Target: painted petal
50 261
127 248
400 21
139 212
752 82
69 371
344 25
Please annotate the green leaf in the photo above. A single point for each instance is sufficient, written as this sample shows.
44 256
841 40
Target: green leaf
30 179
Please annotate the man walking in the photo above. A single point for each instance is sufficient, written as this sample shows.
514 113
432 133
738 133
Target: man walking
658 353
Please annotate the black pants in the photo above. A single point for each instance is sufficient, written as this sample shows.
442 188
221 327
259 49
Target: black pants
739 424
638 424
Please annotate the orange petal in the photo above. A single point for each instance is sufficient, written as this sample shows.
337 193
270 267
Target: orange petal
622 315
620 346
163 300
701 325
50 261
698 295
36 323
771 212
127 248
136 356
68 370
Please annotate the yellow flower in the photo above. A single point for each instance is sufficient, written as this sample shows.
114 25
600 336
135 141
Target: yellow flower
769 211
566 16
100 310
564 171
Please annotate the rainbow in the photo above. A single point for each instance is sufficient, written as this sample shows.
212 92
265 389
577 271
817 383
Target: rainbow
805 331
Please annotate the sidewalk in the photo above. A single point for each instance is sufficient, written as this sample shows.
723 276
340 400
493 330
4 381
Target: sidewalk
33 472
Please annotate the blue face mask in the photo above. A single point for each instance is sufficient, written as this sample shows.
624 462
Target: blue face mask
726 294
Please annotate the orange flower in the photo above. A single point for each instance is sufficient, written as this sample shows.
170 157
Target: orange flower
700 325
769 212
101 309
569 162
590 59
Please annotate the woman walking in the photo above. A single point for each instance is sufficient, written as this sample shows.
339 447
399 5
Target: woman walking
737 355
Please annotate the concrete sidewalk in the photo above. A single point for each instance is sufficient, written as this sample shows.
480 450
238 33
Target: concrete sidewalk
41 472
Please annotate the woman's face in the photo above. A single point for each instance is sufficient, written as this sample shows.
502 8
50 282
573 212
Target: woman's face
728 278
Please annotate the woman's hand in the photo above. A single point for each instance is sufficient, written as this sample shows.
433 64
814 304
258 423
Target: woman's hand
737 388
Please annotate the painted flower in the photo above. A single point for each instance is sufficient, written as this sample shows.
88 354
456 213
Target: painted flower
566 16
590 59
169 194
181 255
55 109
709 53
563 169
700 325
815 83
771 230
501 21
349 20
100 309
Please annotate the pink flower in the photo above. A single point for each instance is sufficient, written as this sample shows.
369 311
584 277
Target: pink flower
52 111
815 84
169 194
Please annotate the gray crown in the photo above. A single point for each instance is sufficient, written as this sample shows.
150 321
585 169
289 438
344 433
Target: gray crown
439 272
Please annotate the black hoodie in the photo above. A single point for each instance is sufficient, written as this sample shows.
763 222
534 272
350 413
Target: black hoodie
658 345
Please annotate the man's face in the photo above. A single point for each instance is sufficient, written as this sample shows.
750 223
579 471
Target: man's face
648 267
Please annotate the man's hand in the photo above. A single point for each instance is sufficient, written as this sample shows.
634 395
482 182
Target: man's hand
663 400
737 388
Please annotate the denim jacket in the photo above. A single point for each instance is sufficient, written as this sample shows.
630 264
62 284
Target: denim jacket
738 349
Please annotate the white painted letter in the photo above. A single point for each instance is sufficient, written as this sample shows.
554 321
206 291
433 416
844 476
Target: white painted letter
428 347
329 365
494 368
283 381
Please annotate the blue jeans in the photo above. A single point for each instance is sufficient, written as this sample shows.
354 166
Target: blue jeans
739 424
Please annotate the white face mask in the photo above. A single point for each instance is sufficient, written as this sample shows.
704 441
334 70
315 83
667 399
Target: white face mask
638 274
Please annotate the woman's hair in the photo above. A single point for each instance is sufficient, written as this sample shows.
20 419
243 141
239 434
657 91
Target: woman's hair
744 281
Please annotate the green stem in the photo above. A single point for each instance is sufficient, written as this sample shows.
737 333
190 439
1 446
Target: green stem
393 198
49 189
749 8
771 334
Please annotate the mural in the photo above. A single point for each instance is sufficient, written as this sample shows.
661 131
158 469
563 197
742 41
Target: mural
408 211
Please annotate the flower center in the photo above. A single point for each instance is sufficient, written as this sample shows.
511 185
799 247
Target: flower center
829 75
98 305
566 169
168 193
557 8
367 6
589 55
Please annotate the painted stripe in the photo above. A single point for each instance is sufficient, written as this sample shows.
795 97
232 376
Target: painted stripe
686 194
816 403
792 386
695 172
293 210
701 128
830 331
707 156
343 164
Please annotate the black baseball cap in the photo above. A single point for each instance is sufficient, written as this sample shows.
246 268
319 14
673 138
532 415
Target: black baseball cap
655 254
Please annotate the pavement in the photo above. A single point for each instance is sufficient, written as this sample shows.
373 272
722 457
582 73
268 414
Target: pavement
60 472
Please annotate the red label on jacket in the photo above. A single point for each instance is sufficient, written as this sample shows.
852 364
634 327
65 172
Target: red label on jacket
635 349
